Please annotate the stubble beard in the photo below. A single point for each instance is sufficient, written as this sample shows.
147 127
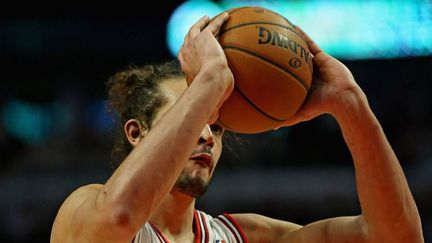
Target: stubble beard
193 186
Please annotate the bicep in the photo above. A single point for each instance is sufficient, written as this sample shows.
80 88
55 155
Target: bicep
80 220
333 230
259 228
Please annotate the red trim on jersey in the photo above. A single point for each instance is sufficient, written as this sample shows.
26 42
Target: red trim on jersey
206 239
220 218
197 228
240 230
159 234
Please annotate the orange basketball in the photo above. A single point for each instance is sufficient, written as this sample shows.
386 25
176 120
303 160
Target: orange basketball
272 68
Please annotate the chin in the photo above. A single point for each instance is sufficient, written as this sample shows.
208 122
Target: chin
193 186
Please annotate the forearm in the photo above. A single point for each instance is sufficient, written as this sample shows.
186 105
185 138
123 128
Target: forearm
150 171
387 204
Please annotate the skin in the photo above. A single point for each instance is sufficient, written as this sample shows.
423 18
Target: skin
142 188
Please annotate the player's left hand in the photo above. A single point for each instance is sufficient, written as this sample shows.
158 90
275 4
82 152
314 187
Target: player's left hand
333 85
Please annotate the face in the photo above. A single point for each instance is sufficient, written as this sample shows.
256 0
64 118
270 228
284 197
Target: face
196 175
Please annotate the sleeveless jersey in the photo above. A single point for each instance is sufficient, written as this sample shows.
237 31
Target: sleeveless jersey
222 229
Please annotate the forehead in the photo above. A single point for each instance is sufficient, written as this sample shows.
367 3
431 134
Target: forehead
172 90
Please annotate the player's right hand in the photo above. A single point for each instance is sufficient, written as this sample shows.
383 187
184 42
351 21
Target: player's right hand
201 52
200 46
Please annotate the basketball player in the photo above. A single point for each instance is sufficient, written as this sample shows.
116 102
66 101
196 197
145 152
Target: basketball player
175 147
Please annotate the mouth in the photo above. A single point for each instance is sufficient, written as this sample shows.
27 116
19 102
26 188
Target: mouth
202 159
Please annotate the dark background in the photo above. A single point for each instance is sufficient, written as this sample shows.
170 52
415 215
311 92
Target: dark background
59 61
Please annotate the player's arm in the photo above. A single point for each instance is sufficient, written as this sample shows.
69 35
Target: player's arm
389 212
115 211
262 229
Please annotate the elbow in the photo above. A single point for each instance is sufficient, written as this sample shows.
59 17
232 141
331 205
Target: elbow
122 216
415 233
407 228
411 230
122 221
414 236
413 227
115 216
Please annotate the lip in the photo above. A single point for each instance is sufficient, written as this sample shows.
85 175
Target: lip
203 158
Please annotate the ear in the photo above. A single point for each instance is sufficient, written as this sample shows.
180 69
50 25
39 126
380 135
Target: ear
134 131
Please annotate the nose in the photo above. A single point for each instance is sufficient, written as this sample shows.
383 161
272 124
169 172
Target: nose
206 137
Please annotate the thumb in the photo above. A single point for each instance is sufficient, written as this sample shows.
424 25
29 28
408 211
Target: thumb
306 113
292 121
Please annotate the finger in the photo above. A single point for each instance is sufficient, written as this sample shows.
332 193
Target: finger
291 121
298 118
313 47
319 56
216 24
196 28
179 54
180 57
182 62
188 79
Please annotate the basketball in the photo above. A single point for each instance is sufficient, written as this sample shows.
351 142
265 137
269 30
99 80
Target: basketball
272 69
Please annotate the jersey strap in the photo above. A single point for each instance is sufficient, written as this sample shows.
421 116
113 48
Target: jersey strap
159 235
202 233
233 226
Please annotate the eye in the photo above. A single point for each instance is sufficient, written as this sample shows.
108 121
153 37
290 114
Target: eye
217 130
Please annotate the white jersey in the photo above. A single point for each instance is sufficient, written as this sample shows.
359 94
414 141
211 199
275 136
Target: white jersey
222 229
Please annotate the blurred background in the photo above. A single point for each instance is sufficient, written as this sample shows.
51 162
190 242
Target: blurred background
56 134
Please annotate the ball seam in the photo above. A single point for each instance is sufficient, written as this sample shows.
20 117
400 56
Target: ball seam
268 61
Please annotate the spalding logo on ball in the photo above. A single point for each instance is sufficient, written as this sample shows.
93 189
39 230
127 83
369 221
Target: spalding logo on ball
272 69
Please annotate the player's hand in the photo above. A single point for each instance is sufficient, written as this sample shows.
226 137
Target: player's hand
200 46
201 51
332 85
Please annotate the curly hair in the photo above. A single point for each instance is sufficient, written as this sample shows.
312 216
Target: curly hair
134 93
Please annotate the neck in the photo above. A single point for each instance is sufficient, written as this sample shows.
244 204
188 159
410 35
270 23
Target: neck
174 216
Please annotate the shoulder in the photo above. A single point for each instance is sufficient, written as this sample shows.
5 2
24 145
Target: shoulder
84 191
259 228
69 210
76 198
